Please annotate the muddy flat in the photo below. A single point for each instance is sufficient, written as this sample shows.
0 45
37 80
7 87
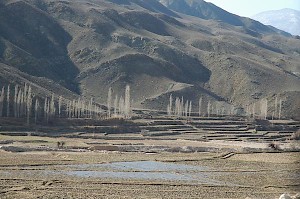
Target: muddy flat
142 175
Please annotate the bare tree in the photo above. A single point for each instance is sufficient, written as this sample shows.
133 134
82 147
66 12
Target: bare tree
36 110
96 110
52 106
232 110
2 101
15 100
190 109
200 106
78 107
280 109
45 109
90 107
170 105
208 108
276 105
116 103
59 106
24 100
19 103
22 104
29 104
48 110
217 108
223 110
186 108
182 107
127 101
175 106
109 98
121 105
69 109
264 108
253 110
7 99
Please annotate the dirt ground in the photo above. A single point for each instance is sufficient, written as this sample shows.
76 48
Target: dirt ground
256 176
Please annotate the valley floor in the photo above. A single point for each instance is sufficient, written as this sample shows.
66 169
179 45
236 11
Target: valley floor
53 175
150 158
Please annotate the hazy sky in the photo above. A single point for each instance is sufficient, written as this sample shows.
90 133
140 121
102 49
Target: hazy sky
249 8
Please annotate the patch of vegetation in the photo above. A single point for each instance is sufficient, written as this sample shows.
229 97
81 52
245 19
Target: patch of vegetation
296 135
274 146
60 144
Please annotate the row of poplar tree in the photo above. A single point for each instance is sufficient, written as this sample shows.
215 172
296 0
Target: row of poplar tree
183 108
21 102
261 109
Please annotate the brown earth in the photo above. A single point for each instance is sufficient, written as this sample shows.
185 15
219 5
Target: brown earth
257 177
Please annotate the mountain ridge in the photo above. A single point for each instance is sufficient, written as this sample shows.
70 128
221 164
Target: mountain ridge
113 43
207 10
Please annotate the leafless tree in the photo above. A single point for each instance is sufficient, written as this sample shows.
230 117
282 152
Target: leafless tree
29 103
276 105
121 106
15 100
59 105
127 102
186 108
7 100
116 103
2 101
200 106
109 98
280 109
36 110
208 109
190 109
170 105
264 108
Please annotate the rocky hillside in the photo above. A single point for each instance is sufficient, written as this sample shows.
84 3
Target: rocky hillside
285 19
83 47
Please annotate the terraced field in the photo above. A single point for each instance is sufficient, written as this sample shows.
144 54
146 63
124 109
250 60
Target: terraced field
161 133
150 157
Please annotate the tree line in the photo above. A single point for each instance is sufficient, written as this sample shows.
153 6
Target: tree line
21 102
262 109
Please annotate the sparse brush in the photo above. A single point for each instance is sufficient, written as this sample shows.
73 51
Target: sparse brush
296 135
274 146
60 144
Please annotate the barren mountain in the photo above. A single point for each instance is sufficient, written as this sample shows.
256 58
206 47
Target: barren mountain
87 46
284 19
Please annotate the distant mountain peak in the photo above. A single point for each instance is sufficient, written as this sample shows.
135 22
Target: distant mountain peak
286 19
209 11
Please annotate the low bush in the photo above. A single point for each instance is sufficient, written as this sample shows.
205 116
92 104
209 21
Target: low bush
274 146
296 135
